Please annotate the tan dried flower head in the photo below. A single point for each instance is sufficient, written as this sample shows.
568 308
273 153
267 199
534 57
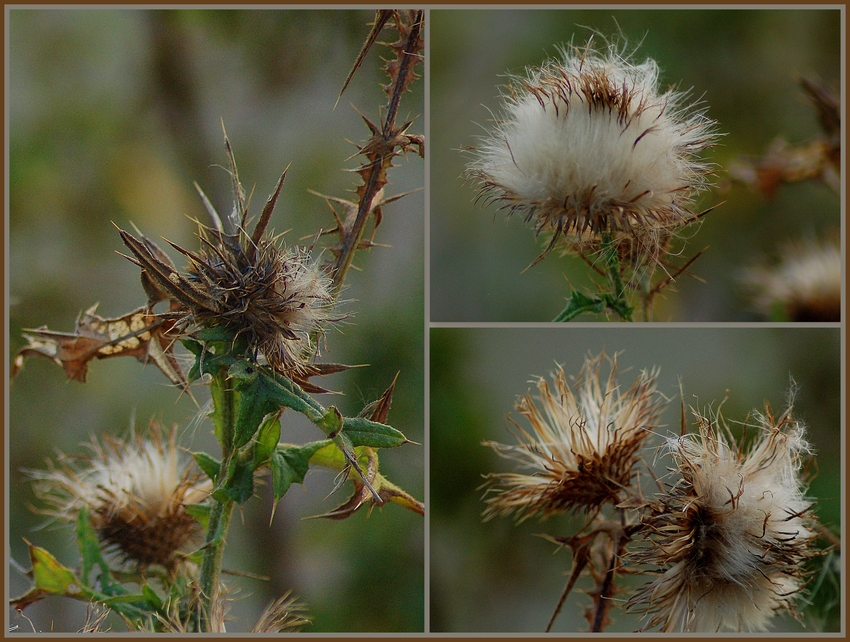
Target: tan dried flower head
731 536
805 284
584 444
588 145
136 492
276 298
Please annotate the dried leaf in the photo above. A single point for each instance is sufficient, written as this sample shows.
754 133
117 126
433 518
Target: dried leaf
379 409
139 334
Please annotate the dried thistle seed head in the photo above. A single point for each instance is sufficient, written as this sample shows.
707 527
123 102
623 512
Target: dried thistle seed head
588 145
732 535
136 492
276 298
805 284
584 444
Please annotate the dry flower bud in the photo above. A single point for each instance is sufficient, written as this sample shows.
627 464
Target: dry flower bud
584 444
275 297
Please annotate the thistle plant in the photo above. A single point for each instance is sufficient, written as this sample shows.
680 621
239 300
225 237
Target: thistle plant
727 533
604 164
732 535
251 309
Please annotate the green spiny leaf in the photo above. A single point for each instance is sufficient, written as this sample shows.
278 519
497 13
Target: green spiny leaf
208 464
240 483
363 432
268 437
151 598
290 463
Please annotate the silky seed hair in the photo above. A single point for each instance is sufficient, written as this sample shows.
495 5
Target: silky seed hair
136 492
583 446
731 536
588 145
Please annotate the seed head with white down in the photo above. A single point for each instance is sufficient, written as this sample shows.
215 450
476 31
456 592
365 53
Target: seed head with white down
584 445
588 145
731 536
136 492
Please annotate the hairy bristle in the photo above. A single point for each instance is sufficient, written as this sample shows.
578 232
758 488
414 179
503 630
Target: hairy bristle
136 492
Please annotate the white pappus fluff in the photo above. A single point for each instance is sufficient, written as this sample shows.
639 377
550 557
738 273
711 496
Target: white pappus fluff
730 537
588 144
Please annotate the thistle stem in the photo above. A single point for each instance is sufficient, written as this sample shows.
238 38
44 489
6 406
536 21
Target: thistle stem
378 166
221 511
612 265
606 589
615 300
220 515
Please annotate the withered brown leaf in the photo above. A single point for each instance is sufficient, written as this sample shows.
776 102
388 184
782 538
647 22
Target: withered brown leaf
140 334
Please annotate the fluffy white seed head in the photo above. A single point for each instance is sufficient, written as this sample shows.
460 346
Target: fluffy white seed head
730 537
805 283
584 443
588 144
136 492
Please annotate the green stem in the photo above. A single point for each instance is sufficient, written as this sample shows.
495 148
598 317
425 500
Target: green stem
211 566
617 302
221 511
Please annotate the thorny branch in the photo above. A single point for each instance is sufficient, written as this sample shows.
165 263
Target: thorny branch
386 142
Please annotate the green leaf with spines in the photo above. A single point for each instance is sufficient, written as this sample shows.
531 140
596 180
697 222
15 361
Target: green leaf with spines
290 463
364 432
268 437
151 598
209 464
239 485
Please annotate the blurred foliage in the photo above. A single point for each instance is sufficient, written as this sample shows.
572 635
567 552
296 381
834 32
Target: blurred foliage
742 65
113 115
498 576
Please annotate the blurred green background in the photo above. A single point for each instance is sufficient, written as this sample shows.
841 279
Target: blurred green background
113 115
499 577
742 63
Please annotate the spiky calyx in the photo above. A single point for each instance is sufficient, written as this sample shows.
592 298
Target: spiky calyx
277 299
584 444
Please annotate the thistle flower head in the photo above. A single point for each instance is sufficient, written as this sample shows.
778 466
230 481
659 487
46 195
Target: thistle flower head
588 146
805 283
584 443
276 298
731 536
136 492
